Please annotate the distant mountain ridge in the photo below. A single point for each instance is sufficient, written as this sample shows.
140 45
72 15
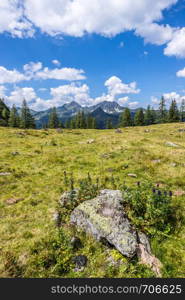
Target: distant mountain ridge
102 112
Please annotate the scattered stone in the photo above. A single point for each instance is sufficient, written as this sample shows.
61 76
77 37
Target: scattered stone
80 261
147 130
181 130
91 141
118 130
171 144
59 130
104 218
68 197
174 165
105 155
57 218
132 175
76 243
15 153
156 161
12 201
5 174
147 258
111 170
179 193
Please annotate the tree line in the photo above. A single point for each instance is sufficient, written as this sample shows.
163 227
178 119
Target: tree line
24 119
151 116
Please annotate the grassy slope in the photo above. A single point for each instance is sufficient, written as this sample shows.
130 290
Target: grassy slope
37 178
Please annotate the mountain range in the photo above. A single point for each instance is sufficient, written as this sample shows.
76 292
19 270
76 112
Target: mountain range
101 111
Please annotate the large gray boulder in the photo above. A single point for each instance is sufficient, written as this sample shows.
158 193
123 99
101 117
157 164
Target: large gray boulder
104 218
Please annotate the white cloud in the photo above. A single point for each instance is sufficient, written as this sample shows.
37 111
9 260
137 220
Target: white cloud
12 19
2 91
56 62
115 87
173 96
105 17
176 46
133 104
122 101
181 73
35 70
10 76
71 92
155 100
19 94
70 74
122 44
32 68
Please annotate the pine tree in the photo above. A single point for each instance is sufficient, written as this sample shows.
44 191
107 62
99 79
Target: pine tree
148 116
94 123
153 116
139 118
67 124
182 111
4 113
53 119
26 119
109 124
125 118
173 112
14 120
162 111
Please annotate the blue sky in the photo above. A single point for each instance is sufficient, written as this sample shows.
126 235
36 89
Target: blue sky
53 52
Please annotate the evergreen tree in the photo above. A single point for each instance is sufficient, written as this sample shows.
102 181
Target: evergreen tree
94 124
162 111
26 119
67 124
148 116
173 112
14 120
153 116
182 111
109 124
4 113
126 119
139 118
53 119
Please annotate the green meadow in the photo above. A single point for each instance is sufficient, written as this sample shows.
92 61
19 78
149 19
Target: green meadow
37 166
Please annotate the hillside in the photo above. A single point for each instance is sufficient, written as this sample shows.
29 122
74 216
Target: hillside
37 166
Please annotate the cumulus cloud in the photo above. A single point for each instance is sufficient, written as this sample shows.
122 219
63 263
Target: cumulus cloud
176 46
70 74
173 96
79 17
19 94
181 73
133 105
10 76
2 91
12 19
35 70
56 62
115 87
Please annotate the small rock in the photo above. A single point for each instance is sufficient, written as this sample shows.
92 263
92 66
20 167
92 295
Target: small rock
91 141
181 130
171 144
15 153
179 193
147 258
173 164
132 175
147 130
5 174
57 218
59 130
80 261
118 130
13 201
156 161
